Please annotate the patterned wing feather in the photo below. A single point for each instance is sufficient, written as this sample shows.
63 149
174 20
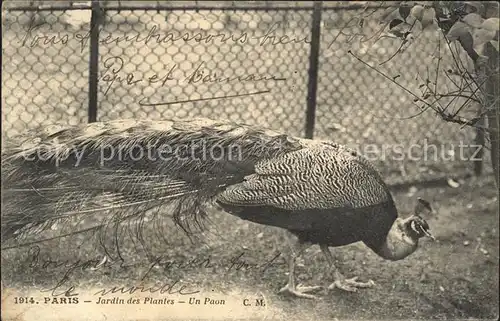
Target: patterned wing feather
319 176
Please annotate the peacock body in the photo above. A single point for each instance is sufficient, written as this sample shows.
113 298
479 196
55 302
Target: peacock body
321 192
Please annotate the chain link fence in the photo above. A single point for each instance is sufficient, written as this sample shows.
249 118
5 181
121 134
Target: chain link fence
248 62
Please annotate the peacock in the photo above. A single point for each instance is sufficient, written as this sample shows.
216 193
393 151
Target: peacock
317 192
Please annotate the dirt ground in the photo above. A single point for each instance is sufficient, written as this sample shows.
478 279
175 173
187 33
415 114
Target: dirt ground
455 277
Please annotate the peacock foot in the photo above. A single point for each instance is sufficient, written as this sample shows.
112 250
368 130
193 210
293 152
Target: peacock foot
350 285
300 291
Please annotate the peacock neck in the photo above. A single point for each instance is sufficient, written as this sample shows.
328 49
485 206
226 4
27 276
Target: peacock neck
395 245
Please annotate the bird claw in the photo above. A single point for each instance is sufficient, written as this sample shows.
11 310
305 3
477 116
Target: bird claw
351 285
300 291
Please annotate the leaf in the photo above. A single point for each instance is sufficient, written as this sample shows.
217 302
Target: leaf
492 9
494 43
459 29
467 43
418 12
392 15
483 49
481 60
428 17
482 36
473 20
476 6
394 23
424 3
399 28
404 11
492 24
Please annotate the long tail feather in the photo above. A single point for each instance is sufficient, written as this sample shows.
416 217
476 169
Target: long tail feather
116 172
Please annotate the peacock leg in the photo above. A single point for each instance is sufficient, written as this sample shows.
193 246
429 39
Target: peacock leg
296 249
340 280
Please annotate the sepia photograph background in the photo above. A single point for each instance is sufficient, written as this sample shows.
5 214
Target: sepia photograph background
364 79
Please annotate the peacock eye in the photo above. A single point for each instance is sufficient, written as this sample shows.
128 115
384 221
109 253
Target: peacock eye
413 226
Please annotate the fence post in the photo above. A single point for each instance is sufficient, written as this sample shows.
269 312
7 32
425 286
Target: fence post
479 140
312 85
94 60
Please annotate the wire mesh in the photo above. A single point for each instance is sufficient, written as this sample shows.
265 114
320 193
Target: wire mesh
42 84
204 55
258 59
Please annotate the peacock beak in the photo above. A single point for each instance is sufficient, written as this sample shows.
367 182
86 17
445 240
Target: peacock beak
430 235
425 230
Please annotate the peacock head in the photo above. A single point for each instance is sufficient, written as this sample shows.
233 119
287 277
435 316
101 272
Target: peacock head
402 239
416 226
